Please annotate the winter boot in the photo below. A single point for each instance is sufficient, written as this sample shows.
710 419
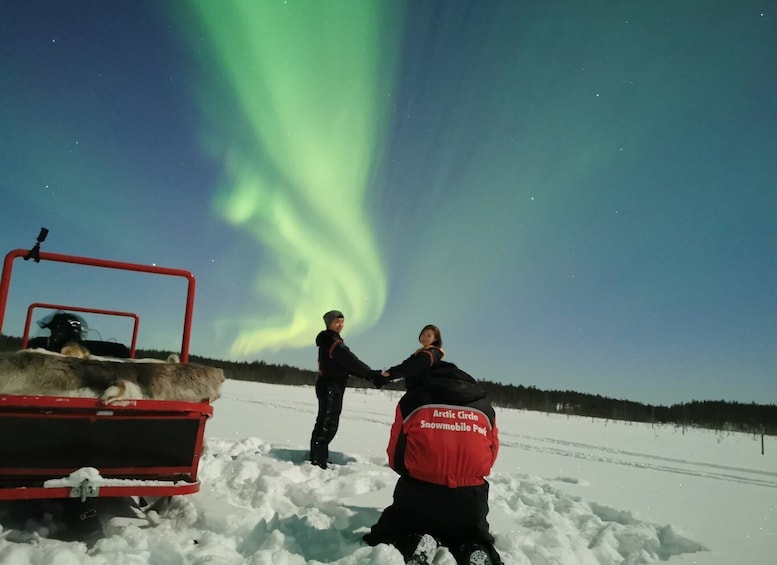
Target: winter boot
477 554
479 557
319 453
424 551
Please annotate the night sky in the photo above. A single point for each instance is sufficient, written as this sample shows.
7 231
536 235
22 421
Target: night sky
582 195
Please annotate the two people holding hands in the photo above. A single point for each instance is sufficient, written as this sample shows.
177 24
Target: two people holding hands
443 443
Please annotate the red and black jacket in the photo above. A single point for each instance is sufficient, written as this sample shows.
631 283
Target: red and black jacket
336 361
444 430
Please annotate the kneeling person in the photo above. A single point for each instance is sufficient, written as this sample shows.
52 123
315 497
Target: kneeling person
443 443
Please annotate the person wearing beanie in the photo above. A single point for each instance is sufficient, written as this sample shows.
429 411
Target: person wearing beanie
335 363
331 316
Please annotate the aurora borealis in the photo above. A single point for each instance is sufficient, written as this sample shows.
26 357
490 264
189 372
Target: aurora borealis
311 84
581 196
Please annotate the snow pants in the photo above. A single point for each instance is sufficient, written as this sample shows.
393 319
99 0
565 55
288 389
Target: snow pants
330 406
455 516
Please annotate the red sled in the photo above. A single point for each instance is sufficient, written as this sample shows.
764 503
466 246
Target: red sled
71 447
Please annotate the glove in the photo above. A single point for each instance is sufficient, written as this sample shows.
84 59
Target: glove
377 379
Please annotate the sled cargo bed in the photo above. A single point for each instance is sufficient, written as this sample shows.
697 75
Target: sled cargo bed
127 448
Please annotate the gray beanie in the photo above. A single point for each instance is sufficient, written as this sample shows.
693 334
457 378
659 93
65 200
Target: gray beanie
331 316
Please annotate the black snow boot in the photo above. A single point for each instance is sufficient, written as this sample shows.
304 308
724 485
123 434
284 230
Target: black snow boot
424 551
319 453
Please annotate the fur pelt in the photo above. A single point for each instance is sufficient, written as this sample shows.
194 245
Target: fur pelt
34 372
75 349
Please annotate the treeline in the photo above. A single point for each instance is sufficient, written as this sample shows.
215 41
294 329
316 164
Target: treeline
713 414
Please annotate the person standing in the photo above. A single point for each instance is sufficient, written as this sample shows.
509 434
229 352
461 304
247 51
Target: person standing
421 361
443 443
335 363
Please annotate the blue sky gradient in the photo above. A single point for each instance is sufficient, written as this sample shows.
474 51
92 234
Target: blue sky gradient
581 196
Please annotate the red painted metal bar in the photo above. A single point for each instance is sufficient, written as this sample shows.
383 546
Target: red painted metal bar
33 493
157 408
34 305
5 283
110 472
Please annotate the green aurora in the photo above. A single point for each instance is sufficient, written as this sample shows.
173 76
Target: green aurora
311 85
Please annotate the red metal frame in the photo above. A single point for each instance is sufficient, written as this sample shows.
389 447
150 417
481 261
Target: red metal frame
179 479
30 493
5 282
34 305
170 470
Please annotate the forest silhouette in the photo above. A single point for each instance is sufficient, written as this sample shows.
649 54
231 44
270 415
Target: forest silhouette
720 415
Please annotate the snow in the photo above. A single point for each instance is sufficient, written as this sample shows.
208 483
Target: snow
565 490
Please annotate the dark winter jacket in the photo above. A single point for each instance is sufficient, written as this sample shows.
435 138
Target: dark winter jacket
444 430
336 361
417 366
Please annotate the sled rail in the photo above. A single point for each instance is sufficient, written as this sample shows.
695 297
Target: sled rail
31 308
5 282
76 447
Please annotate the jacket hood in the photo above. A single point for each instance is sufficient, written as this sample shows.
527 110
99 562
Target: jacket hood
447 383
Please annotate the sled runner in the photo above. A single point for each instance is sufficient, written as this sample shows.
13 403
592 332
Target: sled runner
60 446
